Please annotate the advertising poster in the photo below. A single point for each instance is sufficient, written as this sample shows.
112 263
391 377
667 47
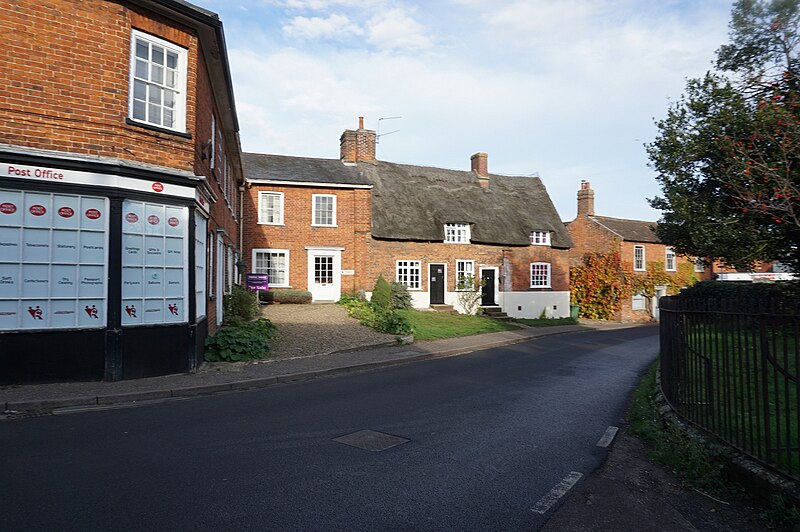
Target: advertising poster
53 260
154 273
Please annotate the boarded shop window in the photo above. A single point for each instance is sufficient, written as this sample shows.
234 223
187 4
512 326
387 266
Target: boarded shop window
154 273
200 264
53 261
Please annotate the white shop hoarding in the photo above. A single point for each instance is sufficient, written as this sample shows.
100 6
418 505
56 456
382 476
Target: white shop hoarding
53 260
155 240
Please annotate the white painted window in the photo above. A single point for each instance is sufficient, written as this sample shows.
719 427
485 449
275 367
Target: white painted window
669 263
699 265
200 224
270 208
638 302
409 273
456 233
323 210
540 238
275 263
213 147
540 275
465 275
638 258
157 82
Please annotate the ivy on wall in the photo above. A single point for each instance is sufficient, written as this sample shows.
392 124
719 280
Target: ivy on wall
599 285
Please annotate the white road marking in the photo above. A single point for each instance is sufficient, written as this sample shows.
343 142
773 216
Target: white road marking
608 437
561 489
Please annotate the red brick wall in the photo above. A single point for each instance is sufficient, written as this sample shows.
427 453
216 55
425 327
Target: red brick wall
589 237
64 75
353 211
383 254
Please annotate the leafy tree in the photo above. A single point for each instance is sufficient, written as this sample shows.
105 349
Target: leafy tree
727 153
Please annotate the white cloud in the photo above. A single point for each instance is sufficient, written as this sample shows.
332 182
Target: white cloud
332 27
395 29
568 89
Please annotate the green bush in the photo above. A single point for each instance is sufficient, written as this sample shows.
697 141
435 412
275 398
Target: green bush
401 298
382 294
381 319
240 303
240 342
300 297
741 290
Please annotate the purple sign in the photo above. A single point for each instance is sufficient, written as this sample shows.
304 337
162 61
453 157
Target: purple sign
257 281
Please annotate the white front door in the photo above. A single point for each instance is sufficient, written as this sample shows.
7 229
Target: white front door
325 274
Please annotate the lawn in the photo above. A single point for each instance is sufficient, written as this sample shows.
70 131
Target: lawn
544 322
438 325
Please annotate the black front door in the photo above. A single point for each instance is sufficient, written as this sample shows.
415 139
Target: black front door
487 290
436 284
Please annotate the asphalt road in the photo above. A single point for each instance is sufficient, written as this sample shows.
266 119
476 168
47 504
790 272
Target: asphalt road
489 435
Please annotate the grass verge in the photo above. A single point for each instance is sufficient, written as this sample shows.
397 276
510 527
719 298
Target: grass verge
439 325
697 466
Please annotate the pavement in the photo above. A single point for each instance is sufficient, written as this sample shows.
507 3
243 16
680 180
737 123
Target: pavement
628 492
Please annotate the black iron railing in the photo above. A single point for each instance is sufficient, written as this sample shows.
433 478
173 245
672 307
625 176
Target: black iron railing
731 368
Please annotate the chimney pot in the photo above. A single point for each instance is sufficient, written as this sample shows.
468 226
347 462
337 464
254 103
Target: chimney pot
585 199
358 145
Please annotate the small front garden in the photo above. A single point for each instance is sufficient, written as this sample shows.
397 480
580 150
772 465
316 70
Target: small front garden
438 325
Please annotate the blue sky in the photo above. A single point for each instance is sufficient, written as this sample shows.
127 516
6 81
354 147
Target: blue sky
566 89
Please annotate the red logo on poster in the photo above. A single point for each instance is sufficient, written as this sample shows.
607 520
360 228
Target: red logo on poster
8 208
131 217
92 311
131 310
173 222
36 313
153 219
37 210
65 212
158 187
173 309
93 214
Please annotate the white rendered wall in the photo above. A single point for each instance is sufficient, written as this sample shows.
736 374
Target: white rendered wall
531 304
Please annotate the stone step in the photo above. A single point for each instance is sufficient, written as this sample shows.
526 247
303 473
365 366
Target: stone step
443 308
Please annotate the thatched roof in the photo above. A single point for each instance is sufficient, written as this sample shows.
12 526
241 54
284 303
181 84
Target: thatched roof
630 230
300 170
414 203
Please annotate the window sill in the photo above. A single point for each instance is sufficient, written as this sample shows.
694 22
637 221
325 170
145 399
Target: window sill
462 243
323 225
273 224
540 287
151 127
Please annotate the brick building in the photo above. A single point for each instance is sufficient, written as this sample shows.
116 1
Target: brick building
342 223
639 247
119 173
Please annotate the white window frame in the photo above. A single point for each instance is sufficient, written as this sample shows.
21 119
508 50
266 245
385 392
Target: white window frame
540 238
405 273
314 211
670 260
272 251
179 109
699 265
457 233
213 147
538 281
262 219
461 272
639 264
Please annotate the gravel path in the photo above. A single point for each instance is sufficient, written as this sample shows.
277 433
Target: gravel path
306 330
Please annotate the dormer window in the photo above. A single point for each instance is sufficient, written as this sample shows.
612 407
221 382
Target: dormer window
540 238
456 233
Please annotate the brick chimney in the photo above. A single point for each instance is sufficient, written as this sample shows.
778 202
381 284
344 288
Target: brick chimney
585 200
358 145
480 165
